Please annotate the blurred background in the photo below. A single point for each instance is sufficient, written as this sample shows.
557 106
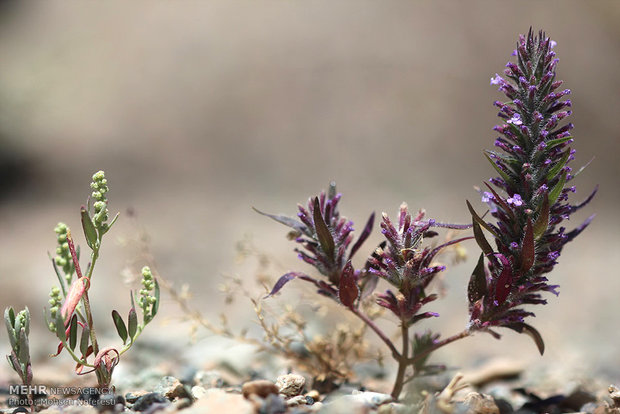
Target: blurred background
198 111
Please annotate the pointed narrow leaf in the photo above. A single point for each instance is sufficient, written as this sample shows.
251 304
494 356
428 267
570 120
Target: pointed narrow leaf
527 250
555 192
532 332
73 332
155 307
121 329
287 221
365 233
9 320
322 231
477 218
555 170
542 221
348 291
132 321
24 347
284 279
481 240
554 142
504 280
90 233
501 172
109 226
84 339
586 201
60 327
477 287
501 202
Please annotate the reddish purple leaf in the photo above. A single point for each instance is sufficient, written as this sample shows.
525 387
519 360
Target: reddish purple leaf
284 279
532 332
322 231
477 219
348 291
501 202
365 233
477 287
504 281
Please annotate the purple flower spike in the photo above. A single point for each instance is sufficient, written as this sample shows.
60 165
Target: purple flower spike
533 174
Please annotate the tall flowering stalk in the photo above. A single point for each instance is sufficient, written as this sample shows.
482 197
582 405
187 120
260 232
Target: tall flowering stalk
529 197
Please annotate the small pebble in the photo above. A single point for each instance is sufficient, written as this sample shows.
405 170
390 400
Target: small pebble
261 388
297 400
198 392
290 385
477 403
131 397
171 388
371 399
144 402
209 379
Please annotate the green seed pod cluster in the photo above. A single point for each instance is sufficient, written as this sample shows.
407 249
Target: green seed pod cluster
100 188
63 255
55 303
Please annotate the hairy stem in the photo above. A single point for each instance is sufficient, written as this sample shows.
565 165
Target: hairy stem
437 345
369 322
403 362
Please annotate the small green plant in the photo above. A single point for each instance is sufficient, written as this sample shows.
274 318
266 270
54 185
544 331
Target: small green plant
70 316
18 329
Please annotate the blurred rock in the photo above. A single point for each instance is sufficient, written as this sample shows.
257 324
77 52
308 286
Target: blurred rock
209 379
171 388
476 403
297 400
147 400
290 385
260 388
216 400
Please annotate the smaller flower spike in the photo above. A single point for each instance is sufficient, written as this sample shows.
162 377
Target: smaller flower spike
406 265
531 200
326 241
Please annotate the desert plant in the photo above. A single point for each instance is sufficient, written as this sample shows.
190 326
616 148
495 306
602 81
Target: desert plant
70 310
534 177
18 329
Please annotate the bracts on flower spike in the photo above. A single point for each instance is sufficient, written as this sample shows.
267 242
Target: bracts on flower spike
530 198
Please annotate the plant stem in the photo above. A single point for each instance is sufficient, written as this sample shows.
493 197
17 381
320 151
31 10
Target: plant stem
437 345
403 362
397 356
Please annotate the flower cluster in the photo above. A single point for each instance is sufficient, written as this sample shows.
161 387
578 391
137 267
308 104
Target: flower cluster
532 201
63 256
148 300
100 188
407 266
326 240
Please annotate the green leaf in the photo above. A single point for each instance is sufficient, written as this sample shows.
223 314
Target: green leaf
481 222
73 332
120 325
132 322
24 348
554 142
557 167
109 226
155 307
477 287
84 339
322 231
60 328
9 320
527 250
501 172
555 192
542 221
90 233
